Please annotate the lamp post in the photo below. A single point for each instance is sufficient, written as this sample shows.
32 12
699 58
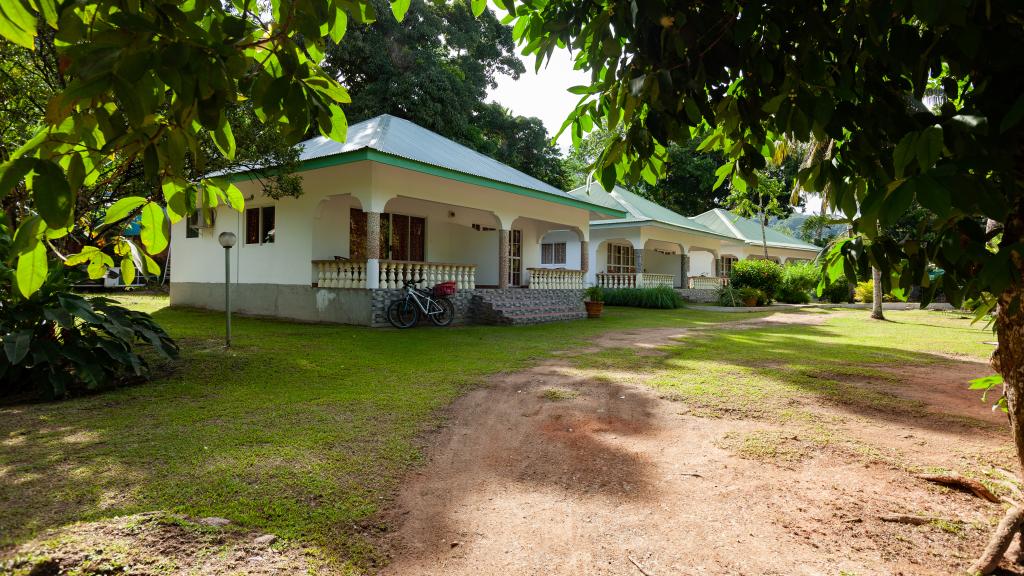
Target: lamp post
227 240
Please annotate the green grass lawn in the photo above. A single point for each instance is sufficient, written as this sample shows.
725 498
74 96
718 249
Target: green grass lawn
300 430
807 378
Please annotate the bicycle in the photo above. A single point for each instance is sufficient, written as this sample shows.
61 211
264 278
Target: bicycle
405 312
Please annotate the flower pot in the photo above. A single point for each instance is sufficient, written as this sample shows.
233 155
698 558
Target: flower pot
750 302
594 309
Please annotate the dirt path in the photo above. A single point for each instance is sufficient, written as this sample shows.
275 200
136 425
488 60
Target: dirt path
605 477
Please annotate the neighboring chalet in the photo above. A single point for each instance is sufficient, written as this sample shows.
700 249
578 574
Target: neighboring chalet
397 202
654 246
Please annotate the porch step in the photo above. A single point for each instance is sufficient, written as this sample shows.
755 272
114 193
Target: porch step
525 306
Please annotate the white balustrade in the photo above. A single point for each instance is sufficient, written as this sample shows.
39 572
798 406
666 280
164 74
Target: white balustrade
648 280
394 274
555 279
707 282
616 280
634 280
340 274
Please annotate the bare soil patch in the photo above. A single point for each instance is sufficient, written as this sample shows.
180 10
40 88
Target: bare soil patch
613 479
152 543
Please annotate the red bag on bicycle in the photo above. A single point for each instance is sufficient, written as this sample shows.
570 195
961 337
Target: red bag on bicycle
445 288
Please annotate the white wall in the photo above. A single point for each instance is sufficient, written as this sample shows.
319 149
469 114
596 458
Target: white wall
573 257
702 263
658 263
315 226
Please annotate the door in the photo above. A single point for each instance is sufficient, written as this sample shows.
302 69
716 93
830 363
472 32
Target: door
515 257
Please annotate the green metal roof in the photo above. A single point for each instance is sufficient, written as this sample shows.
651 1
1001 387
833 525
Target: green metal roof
749 231
398 142
639 210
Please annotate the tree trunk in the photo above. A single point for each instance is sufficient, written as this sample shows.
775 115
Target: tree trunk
876 297
1008 361
762 218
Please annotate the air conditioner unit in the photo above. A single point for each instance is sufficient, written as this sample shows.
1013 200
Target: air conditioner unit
205 218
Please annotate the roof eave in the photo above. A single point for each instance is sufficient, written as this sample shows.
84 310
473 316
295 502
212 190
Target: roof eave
430 169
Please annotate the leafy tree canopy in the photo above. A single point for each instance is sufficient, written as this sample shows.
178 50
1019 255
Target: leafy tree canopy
147 82
435 68
848 76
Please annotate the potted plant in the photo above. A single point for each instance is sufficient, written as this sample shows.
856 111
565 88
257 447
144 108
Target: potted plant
749 296
594 301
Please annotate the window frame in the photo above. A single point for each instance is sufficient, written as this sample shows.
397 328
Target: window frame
552 256
621 259
261 236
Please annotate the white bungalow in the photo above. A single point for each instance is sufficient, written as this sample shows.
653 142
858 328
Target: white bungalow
654 246
394 202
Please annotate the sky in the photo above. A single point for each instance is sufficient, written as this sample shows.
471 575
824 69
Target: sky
545 95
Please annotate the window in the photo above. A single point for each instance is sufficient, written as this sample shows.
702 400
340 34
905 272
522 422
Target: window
620 259
192 225
259 225
552 253
402 237
727 262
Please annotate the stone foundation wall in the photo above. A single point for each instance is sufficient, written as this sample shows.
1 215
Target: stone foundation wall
369 307
701 295
303 303
382 298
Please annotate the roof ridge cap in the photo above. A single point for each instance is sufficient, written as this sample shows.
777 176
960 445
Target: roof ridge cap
384 120
730 225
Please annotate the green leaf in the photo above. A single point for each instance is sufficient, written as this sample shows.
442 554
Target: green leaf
235 198
903 154
17 24
338 128
17 344
339 24
150 265
52 195
478 7
400 7
122 209
27 235
225 140
175 197
929 147
155 231
31 270
986 383
127 270
723 172
1013 116
12 172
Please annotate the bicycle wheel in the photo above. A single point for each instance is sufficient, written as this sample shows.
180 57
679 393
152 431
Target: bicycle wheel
445 315
403 313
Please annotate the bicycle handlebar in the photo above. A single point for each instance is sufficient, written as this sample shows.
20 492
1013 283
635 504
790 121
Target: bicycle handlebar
413 282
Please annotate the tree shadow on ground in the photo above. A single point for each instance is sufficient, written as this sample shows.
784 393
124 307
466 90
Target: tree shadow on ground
765 369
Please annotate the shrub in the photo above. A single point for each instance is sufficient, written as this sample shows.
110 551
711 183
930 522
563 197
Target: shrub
747 293
57 344
595 294
733 296
836 292
865 292
764 275
729 296
797 282
661 297
791 296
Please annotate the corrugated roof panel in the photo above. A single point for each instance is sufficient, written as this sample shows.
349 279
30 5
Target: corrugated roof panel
639 208
400 137
726 222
